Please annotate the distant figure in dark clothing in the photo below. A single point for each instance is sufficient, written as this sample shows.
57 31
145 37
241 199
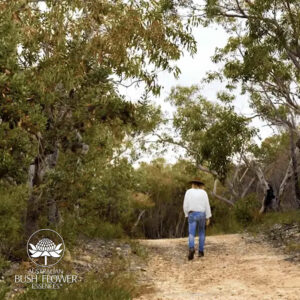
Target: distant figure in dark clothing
268 200
270 196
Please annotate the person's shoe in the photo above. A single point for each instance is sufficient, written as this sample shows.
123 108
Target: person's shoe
191 253
200 253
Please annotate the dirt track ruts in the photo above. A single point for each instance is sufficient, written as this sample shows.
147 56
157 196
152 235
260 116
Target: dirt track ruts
233 268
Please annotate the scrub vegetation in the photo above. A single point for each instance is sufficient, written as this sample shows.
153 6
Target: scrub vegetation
71 140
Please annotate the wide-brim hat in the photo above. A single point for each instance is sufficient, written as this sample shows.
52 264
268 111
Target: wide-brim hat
197 181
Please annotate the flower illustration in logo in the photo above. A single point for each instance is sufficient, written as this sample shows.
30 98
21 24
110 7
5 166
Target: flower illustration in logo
45 247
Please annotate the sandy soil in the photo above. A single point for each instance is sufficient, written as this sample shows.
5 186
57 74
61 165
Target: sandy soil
233 267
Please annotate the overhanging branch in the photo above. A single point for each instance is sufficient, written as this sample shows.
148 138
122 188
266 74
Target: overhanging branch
214 193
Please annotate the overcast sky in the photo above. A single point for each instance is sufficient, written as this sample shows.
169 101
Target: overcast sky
193 70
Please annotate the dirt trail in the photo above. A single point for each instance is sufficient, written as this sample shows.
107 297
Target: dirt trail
233 268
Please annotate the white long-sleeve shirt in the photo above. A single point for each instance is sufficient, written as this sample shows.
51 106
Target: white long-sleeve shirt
196 200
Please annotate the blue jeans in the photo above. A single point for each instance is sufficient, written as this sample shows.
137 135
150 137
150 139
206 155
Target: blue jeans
194 219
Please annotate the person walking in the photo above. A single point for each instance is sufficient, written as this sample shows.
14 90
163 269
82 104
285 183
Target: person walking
196 208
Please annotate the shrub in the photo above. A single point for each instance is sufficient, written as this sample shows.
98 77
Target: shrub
3 289
223 219
4 264
266 221
12 208
112 288
246 210
101 229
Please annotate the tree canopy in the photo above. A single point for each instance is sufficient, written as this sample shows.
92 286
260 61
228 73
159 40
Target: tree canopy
61 66
211 133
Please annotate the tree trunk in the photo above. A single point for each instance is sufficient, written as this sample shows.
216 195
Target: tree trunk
37 172
53 212
138 220
287 176
265 186
178 225
294 168
182 227
214 193
246 189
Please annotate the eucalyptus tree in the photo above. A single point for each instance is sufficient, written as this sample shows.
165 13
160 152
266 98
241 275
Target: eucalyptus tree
263 55
213 135
61 64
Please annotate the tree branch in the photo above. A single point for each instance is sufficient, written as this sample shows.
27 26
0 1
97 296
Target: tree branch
214 193
245 191
206 170
138 220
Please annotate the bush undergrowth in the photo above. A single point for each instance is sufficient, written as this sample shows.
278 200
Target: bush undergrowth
269 219
92 287
245 216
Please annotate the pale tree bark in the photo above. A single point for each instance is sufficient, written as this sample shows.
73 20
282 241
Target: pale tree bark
230 185
284 182
37 171
244 174
138 220
261 179
53 212
214 193
265 186
288 175
294 160
44 162
248 186
291 172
